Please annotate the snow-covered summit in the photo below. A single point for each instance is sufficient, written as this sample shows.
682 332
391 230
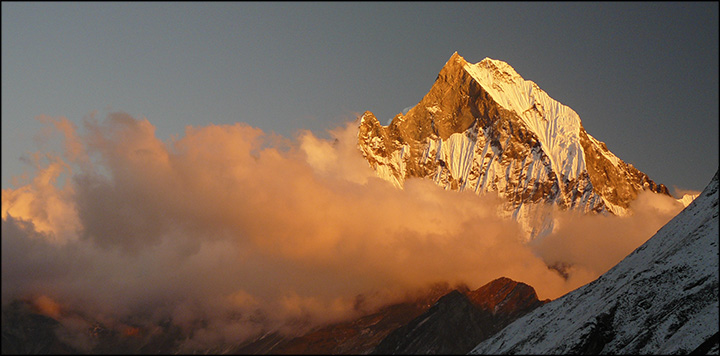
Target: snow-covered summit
500 69
483 127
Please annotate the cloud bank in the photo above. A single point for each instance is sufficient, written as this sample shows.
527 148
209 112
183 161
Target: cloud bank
250 231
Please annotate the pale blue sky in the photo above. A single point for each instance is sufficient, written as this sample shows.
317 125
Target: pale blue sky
642 76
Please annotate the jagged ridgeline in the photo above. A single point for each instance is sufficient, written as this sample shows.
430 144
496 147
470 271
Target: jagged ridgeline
482 127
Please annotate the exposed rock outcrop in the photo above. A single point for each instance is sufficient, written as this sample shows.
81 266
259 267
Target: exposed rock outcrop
461 319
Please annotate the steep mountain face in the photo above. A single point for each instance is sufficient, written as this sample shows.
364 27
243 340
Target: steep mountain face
452 326
506 300
484 128
661 299
461 319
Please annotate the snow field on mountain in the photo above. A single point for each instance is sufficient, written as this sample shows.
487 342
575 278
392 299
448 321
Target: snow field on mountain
556 125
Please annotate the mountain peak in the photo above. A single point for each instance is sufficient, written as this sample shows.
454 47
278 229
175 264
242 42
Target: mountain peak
501 69
455 57
506 296
483 127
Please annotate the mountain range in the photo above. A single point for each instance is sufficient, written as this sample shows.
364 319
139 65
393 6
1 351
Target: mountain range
484 128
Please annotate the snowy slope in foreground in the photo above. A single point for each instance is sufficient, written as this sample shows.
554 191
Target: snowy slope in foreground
661 299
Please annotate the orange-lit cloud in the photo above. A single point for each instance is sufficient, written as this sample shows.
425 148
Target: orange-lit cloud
131 331
47 206
227 223
592 244
47 306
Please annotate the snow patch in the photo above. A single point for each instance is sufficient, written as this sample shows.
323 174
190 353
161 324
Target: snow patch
687 199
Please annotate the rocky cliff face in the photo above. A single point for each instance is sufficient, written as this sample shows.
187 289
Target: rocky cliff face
506 300
661 299
484 128
461 319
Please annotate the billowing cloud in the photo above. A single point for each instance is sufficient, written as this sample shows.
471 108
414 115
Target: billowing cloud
589 245
249 231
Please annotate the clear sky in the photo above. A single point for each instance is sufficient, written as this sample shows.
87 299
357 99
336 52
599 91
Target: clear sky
642 76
